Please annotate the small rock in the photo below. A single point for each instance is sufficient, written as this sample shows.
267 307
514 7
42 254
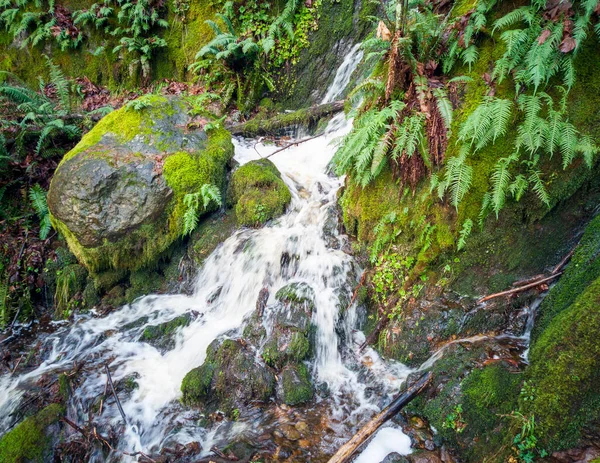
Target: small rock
302 427
290 432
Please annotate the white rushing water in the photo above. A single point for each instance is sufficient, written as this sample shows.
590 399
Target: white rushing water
226 290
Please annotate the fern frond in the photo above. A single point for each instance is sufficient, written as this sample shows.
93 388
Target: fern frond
464 234
500 178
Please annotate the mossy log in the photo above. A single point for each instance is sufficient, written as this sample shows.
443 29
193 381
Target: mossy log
272 126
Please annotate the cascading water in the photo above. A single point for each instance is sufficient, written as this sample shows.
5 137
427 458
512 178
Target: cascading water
226 290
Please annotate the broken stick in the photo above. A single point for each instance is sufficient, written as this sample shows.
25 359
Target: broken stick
346 451
520 288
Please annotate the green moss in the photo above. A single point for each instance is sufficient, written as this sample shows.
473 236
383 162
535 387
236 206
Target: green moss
126 123
565 369
165 331
296 385
28 440
299 347
196 384
583 269
211 232
142 282
298 293
258 193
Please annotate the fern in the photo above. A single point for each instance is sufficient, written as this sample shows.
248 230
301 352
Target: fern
208 194
464 234
500 178
457 179
487 122
37 199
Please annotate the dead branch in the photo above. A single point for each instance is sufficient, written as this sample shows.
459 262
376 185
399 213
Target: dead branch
112 386
519 289
355 293
344 454
563 262
296 143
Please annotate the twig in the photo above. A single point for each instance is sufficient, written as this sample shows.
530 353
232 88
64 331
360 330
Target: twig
520 288
17 365
112 386
293 144
76 427
563 262
220 454
346 451
355 294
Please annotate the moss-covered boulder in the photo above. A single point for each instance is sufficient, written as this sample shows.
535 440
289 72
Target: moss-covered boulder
229 378
295 386
117 197
290 338
258 193
29 441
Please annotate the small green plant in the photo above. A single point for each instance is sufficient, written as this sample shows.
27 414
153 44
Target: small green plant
65 284
528 391
37 198
525 443
455 420
235 415
208 194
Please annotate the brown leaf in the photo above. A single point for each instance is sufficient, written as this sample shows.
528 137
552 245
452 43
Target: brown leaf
568 44
543 36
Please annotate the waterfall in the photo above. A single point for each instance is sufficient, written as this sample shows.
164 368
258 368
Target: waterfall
225 293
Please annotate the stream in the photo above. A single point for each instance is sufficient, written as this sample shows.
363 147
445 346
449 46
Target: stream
225 293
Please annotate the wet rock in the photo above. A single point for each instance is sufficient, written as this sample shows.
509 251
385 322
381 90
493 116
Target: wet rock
395 458
163 336
229 377
258 193
117 197
290 432
421 456
298 293
290 339
295 386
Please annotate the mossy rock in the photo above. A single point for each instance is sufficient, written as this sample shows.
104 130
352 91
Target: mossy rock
117 197
258 193
565 351
297 293
229 378
163 336
468 404
295 386
29 440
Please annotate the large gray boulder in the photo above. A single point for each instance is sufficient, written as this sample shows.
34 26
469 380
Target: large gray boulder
117 197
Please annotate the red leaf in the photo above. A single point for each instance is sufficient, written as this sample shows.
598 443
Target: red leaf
568 44
544 36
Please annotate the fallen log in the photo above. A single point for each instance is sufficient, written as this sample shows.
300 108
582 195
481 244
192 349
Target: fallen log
520 288
349 448
273 125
